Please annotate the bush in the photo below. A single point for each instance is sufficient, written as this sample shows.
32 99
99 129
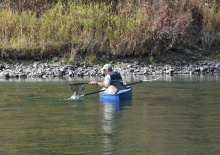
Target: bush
121 28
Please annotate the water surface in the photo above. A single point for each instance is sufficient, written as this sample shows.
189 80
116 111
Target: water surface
173 115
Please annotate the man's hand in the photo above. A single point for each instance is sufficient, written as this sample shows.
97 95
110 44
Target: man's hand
93 83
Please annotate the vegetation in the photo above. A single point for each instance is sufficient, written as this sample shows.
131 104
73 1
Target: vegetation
120 28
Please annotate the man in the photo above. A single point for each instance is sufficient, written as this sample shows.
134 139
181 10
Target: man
112 82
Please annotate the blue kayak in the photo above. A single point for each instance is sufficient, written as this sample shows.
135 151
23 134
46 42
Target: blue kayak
119 96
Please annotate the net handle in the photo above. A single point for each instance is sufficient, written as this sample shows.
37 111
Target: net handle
78 83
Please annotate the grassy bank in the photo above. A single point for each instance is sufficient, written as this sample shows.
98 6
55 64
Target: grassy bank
121 29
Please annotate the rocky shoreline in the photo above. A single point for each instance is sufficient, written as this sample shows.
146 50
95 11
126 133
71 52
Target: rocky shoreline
45 69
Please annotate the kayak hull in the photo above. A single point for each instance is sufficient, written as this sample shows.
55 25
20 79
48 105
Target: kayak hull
119 96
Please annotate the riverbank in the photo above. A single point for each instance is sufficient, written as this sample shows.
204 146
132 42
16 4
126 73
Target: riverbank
38 29
187 62
76 38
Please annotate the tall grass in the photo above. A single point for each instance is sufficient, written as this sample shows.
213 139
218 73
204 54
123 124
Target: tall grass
129 29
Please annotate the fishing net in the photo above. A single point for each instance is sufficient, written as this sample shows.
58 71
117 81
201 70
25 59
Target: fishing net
77 89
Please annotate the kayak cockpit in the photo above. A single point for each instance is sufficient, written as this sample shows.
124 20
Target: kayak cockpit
120 95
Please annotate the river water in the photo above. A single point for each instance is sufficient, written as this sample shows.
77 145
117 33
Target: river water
169 116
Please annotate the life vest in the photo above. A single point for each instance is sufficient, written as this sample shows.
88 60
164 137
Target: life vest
115 78
116 83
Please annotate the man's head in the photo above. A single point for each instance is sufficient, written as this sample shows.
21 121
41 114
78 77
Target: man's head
106 68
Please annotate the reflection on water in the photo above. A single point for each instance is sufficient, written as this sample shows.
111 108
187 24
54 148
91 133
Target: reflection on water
109 124
173 115
131 78
188 78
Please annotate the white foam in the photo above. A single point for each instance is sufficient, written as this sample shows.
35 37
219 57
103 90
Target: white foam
74 96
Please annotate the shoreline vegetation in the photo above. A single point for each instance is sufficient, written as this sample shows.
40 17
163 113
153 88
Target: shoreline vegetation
128 28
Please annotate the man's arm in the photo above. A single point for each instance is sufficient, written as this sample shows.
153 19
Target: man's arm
101 84
105 83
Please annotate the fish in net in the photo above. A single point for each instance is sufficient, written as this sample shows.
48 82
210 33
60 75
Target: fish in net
77 89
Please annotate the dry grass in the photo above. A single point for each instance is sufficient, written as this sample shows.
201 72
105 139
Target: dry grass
28 30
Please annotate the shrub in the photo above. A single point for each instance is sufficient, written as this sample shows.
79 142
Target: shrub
134 28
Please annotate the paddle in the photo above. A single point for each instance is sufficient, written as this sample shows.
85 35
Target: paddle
92 93
104 90
141 81
77 84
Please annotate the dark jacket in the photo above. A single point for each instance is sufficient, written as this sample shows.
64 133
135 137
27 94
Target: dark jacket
115 76
116 80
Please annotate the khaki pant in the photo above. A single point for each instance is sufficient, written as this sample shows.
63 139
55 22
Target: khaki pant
114 88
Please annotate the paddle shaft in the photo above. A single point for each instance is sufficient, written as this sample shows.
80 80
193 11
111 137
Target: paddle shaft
92 93
134 83
141 81
104 90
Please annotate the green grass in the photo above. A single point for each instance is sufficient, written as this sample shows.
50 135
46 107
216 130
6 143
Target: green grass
151 58
94 27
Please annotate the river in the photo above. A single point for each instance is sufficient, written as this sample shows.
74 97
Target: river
171 115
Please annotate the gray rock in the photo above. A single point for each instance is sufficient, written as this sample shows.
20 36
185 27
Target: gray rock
212 68
35 65
187 52
43 70
1 66
23 76
57 64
